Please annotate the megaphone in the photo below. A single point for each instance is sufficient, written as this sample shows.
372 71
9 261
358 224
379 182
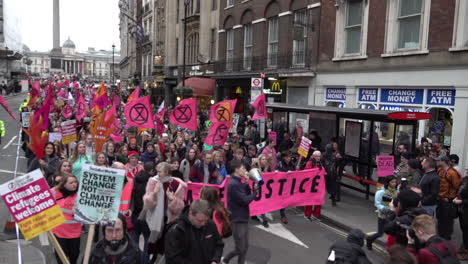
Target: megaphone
256 175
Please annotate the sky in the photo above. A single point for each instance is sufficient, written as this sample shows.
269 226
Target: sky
88 23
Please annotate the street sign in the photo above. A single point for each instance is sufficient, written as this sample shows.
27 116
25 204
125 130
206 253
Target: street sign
262 75
256 83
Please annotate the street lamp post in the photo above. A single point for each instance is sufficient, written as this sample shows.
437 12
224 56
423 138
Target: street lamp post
186 3
113 64
7 66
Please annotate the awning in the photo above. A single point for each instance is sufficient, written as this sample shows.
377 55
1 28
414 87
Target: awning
200 86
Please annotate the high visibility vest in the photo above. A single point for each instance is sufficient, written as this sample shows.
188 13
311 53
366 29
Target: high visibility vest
2 128
71 228
126 197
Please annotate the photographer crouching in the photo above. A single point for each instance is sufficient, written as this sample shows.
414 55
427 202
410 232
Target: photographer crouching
434 248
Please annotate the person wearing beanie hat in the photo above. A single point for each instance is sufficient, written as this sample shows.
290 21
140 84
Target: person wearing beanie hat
116 247
349 250
132 168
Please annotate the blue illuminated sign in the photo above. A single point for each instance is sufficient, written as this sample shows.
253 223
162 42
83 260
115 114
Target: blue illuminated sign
402 96
441 97
368 95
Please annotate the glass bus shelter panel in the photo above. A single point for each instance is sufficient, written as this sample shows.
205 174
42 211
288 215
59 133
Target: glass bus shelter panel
404 135
325 125
383 138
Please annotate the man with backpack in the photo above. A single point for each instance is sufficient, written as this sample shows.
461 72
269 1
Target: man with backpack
436 250
349 251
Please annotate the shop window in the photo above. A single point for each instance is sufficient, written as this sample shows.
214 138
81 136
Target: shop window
439 128
213 44
229 49
460 31
351 29
273 41
300 37
248 46
407 27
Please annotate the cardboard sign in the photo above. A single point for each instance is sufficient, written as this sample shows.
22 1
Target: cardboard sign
99 194
235 123
32 204
68 131
304 147
273 137
25 119
385 166
55 137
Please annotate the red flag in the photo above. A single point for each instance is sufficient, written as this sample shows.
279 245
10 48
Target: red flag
116 100
100 100
260 108
7 108
135 94
111 112
44 111
223 111
185 114
67 111
36 89
138 113
218 134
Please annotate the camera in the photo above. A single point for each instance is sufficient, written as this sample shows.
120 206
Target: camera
411 231
386 198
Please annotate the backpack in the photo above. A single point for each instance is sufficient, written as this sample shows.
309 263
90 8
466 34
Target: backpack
450 257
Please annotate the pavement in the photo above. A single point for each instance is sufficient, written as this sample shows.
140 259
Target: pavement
300 241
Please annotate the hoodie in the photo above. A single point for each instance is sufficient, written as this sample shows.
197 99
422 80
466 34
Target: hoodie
350 250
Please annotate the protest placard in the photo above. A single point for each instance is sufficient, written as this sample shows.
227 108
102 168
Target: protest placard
25 117
55 136
32 204
304 147
385 166
281 190
68 131
99 193
235 123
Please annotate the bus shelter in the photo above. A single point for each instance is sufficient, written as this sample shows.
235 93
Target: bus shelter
362 135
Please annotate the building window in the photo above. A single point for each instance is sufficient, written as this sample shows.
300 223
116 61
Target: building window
214 4
460 31
192 48
273 42
213 44
229 49
230 3
407 27
248 46
351 29
299 37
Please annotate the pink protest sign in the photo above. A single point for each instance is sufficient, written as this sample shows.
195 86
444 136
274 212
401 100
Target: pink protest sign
281 190
385 166
272 135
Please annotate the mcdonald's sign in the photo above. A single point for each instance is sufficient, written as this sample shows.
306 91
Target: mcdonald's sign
275 87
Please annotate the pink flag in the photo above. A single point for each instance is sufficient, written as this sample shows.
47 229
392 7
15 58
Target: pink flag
223 111
67 111
111 112
80 109
260 108
138 113
218 134
185 114
7 108
101 101
116 100
135 94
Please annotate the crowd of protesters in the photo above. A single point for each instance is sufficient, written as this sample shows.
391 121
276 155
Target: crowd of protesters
159 165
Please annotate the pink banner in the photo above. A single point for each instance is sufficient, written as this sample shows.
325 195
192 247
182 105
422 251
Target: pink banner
281 190
385 166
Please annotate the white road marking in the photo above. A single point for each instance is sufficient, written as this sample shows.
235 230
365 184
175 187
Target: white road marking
281 231
12 172
9 142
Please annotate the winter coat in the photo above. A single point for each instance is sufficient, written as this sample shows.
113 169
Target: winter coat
430 184
49 169
239 196
381 205
148 157
187 244
350 250
185 167
424 255
197 172
139 190
130 255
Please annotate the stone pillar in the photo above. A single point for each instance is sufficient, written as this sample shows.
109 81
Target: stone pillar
459 130
56 27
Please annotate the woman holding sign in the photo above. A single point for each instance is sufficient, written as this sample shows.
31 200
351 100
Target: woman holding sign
48 164
68 234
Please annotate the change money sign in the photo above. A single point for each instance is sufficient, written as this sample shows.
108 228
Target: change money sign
99 193
32 204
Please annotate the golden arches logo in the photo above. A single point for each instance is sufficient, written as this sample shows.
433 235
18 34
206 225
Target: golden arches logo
276 87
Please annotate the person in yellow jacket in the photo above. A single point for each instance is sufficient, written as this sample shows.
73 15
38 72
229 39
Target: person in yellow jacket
2 130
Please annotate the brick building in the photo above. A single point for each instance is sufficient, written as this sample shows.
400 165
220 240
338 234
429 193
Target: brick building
400 55
278 38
